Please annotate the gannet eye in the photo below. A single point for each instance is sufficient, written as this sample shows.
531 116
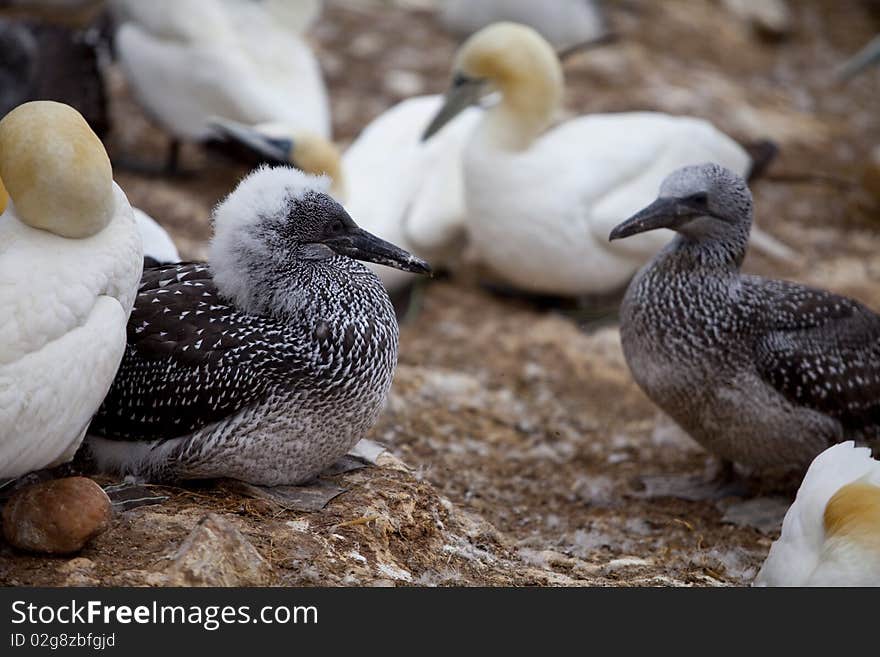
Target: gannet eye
459 79
335 227
700 199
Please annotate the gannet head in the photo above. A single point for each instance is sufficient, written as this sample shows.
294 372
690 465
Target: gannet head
278 221
56 170
705 201
511 59
836 503
853 514
4 197
278 143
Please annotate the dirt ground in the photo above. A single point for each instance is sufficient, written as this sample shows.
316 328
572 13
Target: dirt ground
520 450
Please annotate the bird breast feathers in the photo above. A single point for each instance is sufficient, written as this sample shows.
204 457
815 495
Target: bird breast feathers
67 275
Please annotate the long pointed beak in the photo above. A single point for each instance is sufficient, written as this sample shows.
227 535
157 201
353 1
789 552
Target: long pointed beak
862 60
665 212
458 98
361 245
271 149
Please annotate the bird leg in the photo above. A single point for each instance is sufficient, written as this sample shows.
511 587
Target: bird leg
172 163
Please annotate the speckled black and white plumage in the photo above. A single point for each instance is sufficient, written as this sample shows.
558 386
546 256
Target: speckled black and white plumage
760 372
266 365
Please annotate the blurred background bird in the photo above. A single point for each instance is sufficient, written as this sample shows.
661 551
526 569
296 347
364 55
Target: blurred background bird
235 59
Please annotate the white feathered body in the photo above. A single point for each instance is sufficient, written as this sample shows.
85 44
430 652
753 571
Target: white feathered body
230 58
64 305
562 22
406 191
540 217
804 555
158 244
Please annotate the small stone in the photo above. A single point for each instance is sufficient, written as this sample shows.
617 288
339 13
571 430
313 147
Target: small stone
56 517
216 554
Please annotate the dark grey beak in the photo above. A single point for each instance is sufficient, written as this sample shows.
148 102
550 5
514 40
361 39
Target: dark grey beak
463 93
665 212
359 244
268 149
865 58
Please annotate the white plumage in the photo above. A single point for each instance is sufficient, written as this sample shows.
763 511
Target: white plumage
64 301
235 59
541 203
563 23
157 243
806 553
409 192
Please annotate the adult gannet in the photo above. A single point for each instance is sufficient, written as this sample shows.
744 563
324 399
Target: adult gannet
234 59
831 534
540 202
401 189
564 23
267 363
70 261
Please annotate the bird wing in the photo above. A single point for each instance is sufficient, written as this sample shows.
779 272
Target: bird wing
821 351
192 359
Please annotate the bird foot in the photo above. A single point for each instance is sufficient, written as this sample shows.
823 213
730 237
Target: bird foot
722 483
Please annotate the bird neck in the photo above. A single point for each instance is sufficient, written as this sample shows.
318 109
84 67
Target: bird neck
529 100
721 254
306 288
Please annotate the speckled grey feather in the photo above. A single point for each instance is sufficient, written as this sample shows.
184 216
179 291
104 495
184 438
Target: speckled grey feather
760 372
270 394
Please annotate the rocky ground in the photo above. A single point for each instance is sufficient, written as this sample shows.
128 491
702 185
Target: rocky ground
519 449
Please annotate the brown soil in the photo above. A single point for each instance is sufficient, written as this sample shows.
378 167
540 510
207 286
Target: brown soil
524 438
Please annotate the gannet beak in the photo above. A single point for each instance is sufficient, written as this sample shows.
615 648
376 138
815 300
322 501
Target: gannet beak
271 149
665 212
463 93
862 60
359 244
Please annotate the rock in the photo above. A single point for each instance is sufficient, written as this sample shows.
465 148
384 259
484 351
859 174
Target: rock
56 517
78 572
216 554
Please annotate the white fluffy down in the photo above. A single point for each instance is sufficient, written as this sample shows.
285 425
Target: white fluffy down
795 556
64 304
265 193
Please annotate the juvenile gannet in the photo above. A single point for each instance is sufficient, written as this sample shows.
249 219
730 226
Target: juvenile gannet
831 534
268 363
760 372
70 261
540 202
234 59
405 191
